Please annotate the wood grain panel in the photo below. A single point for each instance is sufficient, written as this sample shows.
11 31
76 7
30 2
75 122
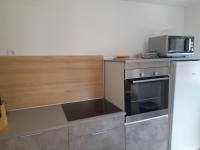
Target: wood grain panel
31 81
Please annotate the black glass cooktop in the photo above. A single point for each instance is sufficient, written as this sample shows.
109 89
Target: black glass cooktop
90 108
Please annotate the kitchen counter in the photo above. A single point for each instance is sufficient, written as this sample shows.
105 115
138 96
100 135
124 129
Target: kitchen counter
136 60
27 121
36 120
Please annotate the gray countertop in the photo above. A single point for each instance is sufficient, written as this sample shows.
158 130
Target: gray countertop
134 60
27 121
36 120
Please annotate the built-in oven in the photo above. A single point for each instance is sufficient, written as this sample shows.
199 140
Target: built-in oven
146 91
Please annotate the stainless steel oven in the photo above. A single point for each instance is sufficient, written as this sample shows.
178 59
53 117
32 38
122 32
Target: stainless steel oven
146 91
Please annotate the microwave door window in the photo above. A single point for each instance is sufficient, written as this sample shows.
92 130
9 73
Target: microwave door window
176 45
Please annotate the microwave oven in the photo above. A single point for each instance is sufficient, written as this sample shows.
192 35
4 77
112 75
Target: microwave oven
172 46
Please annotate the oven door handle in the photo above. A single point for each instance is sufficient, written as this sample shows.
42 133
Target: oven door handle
150 80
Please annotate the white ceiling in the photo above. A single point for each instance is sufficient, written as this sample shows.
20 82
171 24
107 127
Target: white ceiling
183 3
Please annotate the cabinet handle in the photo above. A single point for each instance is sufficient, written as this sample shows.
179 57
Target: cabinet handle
31 134
100 132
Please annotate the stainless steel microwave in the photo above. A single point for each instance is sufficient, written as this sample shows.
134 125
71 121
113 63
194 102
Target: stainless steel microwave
172 46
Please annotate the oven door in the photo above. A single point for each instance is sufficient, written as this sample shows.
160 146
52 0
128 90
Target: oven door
146 95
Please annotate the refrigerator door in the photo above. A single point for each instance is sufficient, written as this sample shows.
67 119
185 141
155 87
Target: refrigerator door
186 106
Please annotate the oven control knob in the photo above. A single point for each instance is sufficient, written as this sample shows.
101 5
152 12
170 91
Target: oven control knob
142 74
155 73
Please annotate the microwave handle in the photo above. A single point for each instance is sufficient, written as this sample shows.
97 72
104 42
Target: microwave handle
188 44
150 80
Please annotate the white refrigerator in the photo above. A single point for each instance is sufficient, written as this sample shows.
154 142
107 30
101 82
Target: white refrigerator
185 125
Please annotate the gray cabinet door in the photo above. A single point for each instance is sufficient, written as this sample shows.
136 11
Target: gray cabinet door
112 139
50 140
148 135
7 144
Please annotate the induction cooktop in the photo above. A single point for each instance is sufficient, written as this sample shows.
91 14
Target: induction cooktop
86 109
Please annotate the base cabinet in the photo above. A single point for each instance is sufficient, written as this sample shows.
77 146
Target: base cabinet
105 140
52 140
93 134
148 135
8 144
100 134
49 140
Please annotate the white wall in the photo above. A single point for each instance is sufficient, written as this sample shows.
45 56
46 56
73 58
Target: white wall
192 25
71 27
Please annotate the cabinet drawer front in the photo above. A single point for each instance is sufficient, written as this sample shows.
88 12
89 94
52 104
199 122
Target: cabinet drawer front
51 140
151 135
113 139
95 126
8 144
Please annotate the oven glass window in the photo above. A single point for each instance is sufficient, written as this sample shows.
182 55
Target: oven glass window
145 97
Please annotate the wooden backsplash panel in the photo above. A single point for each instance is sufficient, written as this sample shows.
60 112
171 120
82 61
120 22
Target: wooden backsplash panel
34 81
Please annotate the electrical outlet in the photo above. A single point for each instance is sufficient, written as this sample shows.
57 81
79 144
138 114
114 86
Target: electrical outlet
10 52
